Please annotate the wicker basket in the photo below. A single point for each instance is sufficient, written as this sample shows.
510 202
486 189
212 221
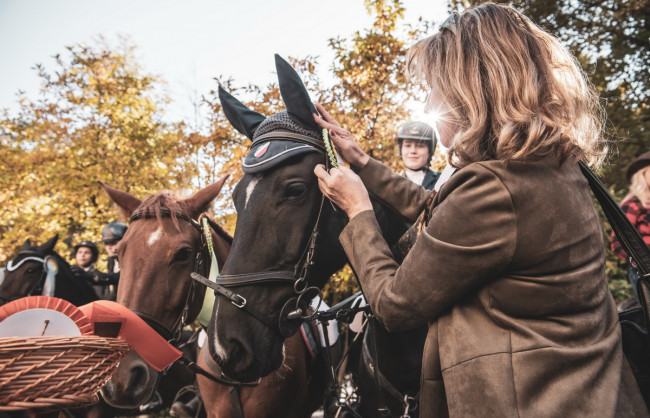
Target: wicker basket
56 372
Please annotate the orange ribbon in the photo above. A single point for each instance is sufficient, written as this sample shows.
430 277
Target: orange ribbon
110 319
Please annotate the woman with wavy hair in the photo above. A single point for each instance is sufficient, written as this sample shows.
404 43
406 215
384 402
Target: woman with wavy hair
509 270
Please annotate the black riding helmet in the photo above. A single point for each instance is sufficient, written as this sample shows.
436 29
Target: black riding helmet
113 232
93 249
418 131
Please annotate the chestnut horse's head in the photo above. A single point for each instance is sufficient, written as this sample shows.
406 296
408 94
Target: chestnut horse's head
279 209
161 248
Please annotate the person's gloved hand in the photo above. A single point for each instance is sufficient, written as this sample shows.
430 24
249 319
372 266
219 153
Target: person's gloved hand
81 273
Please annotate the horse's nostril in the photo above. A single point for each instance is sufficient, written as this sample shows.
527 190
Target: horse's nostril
138 376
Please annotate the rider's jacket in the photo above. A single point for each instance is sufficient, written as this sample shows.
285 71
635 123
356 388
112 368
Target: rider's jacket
509 275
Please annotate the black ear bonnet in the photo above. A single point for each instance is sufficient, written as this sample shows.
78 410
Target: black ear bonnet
270 146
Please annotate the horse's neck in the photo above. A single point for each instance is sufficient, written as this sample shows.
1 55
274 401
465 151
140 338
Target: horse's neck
221 247
330 256
397 354
70 287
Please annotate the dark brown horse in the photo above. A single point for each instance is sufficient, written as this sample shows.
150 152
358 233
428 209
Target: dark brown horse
286 240
27 275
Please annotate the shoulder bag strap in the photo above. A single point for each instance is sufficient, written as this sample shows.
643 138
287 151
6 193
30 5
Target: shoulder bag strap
627 234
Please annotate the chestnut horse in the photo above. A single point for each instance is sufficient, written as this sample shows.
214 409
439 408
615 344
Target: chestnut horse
160 249
157 256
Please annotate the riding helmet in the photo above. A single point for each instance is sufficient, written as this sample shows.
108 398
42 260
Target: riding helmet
113 232
418 131
93 249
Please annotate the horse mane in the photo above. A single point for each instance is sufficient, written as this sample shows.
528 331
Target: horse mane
166 205
162 205
220 231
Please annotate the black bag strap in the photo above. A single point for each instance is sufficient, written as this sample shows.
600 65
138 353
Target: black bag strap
627 234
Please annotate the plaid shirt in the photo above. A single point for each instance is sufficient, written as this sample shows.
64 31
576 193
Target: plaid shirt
640 218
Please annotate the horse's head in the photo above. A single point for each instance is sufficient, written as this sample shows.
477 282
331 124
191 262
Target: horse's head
279 207
27 274
163 245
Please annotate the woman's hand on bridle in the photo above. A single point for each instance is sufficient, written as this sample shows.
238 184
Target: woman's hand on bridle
345 143
343 187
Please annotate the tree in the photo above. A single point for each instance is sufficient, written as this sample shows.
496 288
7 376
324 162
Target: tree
374 90
370 98
97 118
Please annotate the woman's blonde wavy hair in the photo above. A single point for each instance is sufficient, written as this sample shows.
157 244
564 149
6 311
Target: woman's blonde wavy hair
639 187
512 89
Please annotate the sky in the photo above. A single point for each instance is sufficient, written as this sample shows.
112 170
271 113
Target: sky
186 42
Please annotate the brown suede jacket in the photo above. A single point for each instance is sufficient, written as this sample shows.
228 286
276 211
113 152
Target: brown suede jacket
509 274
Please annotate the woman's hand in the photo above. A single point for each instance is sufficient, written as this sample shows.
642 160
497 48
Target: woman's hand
343 140
343 187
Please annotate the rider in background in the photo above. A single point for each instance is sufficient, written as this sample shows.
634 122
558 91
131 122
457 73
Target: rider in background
86 254
417 142
112 234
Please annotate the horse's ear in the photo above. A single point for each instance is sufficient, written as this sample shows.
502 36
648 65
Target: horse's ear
200 201
242 118
49 245
295 95
126 203
27 244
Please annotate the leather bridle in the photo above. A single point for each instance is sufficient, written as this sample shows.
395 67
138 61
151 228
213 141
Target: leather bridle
294 312
39 286
201 260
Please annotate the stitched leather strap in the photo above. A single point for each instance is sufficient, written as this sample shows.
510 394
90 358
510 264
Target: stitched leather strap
253 278
627 234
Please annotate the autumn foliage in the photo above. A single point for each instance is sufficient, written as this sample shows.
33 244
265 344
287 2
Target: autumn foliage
100 116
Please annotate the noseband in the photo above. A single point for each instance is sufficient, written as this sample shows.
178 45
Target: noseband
293 313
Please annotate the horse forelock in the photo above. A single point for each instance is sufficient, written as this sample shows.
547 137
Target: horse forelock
163 205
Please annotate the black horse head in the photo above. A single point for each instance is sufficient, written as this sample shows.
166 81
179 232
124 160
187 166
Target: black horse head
278 204
27 275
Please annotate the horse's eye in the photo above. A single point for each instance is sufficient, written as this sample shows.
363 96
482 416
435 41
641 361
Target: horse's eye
30 270
295 190
182 255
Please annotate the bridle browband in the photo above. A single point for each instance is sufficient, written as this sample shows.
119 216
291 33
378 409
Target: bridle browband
39 285
293 314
